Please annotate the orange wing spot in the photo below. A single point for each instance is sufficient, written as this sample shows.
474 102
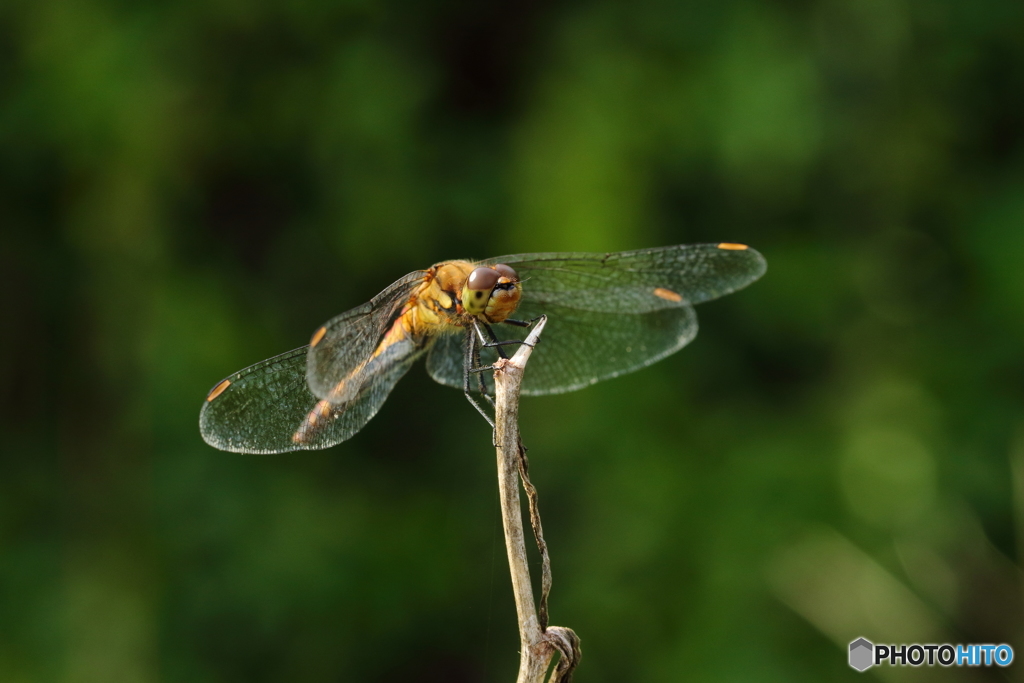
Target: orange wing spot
317 336
667 294
732 247
218 390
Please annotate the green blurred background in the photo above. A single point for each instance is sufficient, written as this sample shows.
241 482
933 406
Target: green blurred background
189 187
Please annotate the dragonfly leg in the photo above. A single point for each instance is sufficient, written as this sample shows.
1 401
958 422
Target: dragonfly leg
522 323
497 343
471 353
490 333
477 370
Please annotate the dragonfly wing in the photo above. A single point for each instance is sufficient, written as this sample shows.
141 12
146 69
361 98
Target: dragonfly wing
577 348
260 409
581 347
446 359
608 314
339 347
634 282
256 410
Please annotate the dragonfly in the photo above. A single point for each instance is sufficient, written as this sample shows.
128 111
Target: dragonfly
607 314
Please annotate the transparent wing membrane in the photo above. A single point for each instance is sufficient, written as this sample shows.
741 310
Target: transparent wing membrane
577 348
349 339
260 408
608 314
632 282
264 406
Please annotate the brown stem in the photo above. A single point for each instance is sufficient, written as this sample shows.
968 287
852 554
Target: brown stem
538 643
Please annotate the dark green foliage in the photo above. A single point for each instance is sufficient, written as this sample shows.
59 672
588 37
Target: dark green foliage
190 187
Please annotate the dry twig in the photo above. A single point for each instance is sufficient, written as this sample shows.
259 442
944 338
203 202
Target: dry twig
538 641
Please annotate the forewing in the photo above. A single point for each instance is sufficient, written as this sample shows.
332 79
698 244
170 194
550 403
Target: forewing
633 282
345 342
578 347
262 407
608 313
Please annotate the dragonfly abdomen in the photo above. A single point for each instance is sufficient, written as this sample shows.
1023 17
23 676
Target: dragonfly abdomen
400 345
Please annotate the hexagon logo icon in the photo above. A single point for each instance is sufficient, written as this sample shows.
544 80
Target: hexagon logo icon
862 654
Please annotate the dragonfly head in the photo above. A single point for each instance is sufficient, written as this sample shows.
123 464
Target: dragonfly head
492 291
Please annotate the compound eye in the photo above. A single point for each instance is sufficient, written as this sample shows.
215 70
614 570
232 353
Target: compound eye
477 290
507 271
482 280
